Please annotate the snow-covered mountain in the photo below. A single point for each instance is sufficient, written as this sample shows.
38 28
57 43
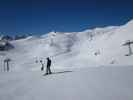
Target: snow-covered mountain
93 47
73 55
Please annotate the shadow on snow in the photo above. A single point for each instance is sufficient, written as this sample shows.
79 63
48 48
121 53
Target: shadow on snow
61 72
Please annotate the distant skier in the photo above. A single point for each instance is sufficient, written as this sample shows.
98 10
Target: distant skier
6 64
42 68
48 70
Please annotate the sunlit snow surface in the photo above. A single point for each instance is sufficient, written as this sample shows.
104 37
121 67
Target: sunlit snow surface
94 83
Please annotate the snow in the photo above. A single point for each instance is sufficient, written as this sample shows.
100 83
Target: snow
88 65
93 47
94 83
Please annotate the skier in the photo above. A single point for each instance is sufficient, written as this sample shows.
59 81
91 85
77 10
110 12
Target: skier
6 64
42 68
48 70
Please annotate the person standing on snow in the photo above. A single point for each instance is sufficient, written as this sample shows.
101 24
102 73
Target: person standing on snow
42 68
48 70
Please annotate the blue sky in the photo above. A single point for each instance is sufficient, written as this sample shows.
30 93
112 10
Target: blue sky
42 16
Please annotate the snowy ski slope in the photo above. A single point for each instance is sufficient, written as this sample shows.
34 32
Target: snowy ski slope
88 65
95 47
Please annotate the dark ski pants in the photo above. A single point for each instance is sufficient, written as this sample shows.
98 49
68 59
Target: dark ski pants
48 70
